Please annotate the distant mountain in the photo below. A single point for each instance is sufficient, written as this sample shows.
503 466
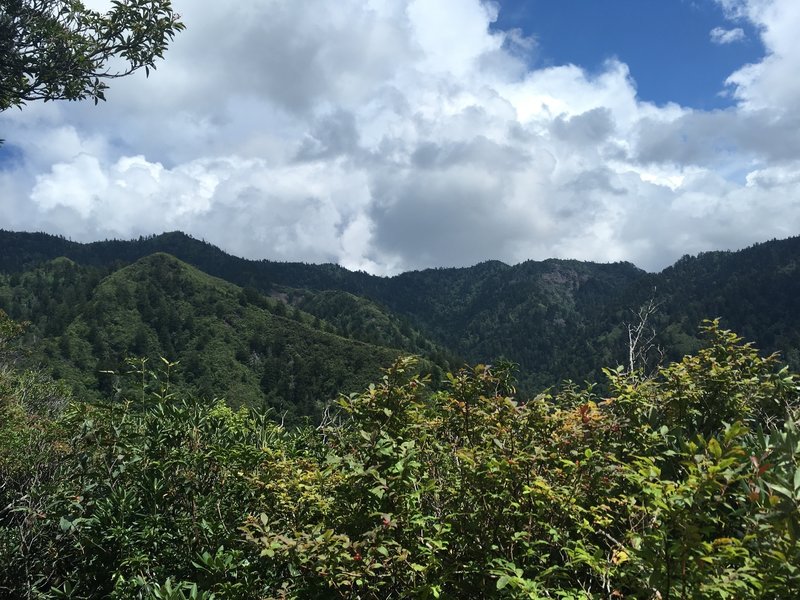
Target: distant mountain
21 251
756 291
556 318
250 349
363 319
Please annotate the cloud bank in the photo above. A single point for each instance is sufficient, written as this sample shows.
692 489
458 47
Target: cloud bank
388 135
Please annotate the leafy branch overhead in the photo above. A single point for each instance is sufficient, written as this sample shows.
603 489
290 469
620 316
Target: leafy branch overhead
61 50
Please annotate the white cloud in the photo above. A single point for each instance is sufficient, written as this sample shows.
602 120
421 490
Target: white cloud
727 36
771 83
395 134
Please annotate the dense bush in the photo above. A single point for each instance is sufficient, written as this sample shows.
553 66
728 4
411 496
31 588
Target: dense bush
685 484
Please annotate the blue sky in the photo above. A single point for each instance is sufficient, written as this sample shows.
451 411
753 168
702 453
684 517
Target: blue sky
665 43
389 135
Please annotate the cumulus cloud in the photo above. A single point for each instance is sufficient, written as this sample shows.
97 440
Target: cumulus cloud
727 36
770 83
394 134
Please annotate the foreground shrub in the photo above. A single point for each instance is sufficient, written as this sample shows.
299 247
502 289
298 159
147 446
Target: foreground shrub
685 484
667 489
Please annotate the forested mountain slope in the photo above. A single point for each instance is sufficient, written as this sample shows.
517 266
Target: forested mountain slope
556 318
250 349
364 319
756 291
547 316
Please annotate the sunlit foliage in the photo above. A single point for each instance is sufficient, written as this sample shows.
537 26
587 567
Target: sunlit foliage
683 484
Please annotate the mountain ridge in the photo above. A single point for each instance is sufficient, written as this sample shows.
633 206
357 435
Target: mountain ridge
249 349
558 319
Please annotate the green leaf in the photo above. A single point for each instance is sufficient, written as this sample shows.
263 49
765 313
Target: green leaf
714 448
503 582
781 490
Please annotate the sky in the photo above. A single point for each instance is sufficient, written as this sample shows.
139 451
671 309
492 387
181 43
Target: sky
389 135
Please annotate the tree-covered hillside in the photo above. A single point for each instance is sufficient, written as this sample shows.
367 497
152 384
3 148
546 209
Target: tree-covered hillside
557 319
250 349
363 319
547 316
755 290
